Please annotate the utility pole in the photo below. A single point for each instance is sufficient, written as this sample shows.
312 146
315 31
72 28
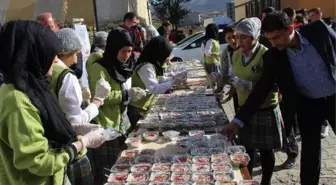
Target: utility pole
96 14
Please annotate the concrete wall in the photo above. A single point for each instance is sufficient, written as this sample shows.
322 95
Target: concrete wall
107 9
240 11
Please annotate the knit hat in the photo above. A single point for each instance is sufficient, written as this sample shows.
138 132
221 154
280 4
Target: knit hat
249 26
70 41
100 38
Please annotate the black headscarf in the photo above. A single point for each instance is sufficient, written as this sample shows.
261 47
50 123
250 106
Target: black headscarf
27 51
211 32
116 40
156 52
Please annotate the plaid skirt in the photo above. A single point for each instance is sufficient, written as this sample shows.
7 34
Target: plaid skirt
79 172
104 157
265 130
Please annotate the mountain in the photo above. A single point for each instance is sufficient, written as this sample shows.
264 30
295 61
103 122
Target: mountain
206 6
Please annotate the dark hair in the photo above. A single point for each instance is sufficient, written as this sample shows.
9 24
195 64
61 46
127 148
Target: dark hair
227 29
277 20
315 10
302 11
268 10
300 19
129 16
290 12
166 23
328 20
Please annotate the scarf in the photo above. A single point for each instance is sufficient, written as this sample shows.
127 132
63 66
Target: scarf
156 52
27 52
116 40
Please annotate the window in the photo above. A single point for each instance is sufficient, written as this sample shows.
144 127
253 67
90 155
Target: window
253 8
198 44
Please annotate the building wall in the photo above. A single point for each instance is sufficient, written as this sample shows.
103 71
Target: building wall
328 7
240 9
192 19
113 10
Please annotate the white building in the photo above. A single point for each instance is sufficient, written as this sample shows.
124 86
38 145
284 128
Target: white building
193 18
230 10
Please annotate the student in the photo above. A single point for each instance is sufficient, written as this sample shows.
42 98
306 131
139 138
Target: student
116 67
37 142
211 51
265 129
148 74
288 66
226 65
66 86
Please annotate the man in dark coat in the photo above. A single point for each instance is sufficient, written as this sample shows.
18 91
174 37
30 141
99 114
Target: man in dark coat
302 65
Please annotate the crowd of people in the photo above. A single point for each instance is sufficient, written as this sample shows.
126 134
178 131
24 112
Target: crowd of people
279 72
51 124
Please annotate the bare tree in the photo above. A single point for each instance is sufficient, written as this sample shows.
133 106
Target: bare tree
172 10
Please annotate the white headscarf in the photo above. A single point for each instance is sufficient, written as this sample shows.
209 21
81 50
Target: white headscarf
151 32
249 26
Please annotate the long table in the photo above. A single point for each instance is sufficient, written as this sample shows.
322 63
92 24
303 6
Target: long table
196 78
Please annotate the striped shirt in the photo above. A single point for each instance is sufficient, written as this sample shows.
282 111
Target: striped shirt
310 72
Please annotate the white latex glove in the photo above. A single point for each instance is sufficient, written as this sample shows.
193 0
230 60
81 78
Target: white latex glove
103 89
82 129
86 94
93 139
136 93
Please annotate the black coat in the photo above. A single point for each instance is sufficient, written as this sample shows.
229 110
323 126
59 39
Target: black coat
277 71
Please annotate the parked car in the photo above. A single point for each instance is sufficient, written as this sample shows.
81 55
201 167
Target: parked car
190 47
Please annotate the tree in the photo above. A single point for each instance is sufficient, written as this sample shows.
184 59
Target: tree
171 10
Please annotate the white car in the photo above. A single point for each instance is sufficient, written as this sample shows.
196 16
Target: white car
190 47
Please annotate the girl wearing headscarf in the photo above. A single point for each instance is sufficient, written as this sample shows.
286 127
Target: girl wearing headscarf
211 51
265 130
37 141
116 67
149 75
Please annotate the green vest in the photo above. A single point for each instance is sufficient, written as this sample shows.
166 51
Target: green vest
216 50
109 113
58 74
252 71
94 56
145 102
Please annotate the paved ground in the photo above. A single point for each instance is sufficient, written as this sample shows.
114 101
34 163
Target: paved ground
291 177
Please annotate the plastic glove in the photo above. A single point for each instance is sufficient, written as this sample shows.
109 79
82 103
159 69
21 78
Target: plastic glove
86 94
82 129
103 89
93 139
136 93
